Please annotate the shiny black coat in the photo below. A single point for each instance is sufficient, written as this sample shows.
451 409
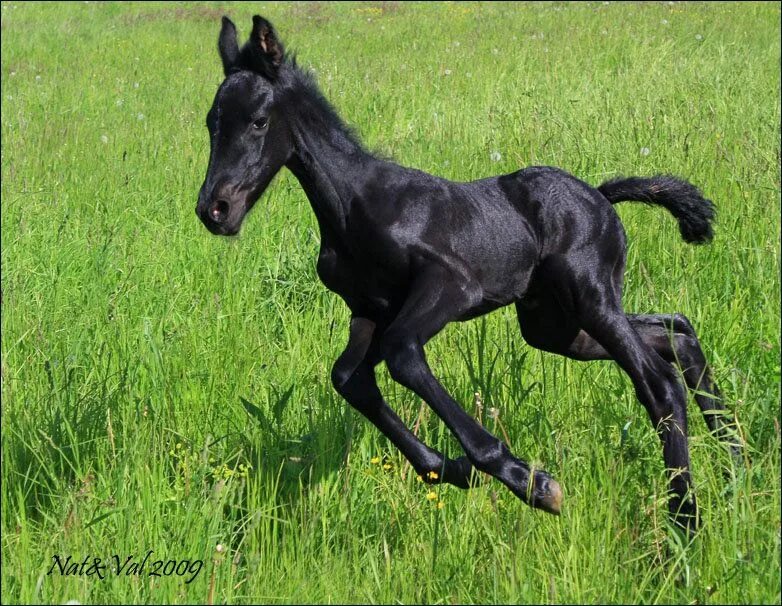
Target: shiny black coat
410 252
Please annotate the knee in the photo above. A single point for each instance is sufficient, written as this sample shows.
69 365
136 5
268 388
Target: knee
665 396
340 375
689 354
688 348
681 324
685 333
358 388
402 355
659 381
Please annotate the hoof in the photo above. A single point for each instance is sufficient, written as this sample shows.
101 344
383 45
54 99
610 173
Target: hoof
685 516
551 497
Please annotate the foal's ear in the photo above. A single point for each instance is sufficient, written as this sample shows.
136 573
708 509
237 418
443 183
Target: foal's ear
266 47
228 45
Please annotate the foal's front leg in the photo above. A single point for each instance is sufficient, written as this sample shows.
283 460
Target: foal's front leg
436 298
354 378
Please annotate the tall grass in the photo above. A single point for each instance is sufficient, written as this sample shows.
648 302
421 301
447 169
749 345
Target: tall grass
168 390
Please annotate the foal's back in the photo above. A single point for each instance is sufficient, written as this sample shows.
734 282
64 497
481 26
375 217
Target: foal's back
492 232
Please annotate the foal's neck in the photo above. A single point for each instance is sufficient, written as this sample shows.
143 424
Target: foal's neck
327 159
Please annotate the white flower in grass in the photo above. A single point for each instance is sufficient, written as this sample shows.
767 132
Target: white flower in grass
447 72
698 37
140 117
219 548
119 103
104 139
12 74
664 21
495 156
495 51
457 43
645 151
38 78
135 85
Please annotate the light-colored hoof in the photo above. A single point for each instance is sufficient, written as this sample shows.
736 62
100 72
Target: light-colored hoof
552 502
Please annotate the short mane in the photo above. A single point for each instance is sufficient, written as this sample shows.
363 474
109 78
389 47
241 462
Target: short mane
299 86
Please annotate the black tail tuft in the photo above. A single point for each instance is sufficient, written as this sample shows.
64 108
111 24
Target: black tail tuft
682 199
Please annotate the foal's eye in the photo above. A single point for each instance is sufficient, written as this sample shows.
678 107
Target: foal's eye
260 123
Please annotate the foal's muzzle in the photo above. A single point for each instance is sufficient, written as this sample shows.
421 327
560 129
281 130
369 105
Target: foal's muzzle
217 216
218 211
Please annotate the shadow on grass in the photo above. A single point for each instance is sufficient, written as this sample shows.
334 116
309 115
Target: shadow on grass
297 457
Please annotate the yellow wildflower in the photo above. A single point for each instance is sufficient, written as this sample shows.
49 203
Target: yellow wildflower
440 504
432 475
431 496
374 460
387 466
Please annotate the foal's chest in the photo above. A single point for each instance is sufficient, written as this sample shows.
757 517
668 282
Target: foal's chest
358 281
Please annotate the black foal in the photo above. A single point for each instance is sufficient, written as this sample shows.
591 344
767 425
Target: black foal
410 252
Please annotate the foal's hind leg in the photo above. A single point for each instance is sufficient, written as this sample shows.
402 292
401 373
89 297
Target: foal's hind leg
658 389
548 327
674 338
592 301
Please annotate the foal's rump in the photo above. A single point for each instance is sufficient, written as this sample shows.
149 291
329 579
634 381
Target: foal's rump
569 216
569 206
582 240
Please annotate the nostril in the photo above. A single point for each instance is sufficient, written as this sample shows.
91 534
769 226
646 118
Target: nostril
219 211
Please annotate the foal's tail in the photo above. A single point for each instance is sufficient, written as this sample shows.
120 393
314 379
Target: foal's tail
683 200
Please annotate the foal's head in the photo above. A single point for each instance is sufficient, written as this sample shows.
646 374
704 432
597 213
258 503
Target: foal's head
248 135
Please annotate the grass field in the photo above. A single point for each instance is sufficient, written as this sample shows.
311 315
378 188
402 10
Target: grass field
131 338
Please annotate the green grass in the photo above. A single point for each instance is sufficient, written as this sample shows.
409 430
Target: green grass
130 335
